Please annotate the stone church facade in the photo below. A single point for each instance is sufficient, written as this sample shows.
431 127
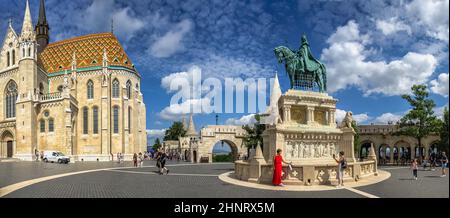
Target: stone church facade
80 96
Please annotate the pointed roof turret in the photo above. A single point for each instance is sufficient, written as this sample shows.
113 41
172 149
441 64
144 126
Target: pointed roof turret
191 130
27 27
42 17
272 111
183 121
42 29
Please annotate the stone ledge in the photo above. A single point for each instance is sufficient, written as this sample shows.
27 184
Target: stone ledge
229 178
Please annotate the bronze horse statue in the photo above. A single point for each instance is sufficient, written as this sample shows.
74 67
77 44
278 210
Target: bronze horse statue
301 63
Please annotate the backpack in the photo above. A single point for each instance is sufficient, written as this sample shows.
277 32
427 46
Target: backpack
344 164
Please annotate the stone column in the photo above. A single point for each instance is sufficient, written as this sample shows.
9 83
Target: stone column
347 144
288 108
310 115
391 154
332 117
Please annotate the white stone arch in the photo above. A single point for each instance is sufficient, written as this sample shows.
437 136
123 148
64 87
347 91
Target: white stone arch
211 135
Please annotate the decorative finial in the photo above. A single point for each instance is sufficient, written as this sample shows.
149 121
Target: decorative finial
74 61
10 22
112 25
105 58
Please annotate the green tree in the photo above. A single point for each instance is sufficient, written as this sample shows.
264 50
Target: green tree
157 144
443 132
175 131
420 121
356 139
254 133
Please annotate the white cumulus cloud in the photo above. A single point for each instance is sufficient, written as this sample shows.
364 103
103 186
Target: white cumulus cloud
171 42
392 25
432 15
244 120
386 118
440 85
97 17
347 63
359 118
156 133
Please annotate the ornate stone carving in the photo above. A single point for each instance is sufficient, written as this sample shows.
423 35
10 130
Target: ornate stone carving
304 149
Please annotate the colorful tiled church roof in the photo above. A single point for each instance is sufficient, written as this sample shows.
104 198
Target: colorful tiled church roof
88 51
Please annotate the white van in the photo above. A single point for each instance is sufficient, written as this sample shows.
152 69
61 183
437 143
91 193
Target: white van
55 156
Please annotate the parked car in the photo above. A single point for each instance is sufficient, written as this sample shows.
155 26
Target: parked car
55 157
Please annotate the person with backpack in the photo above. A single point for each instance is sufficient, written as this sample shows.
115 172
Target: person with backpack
342 165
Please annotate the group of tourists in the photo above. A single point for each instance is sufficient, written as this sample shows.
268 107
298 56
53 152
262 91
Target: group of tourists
432 160
342 165
138 160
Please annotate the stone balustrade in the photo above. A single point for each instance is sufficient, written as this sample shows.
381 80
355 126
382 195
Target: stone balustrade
50 96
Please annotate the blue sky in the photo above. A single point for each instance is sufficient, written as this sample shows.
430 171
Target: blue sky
373 50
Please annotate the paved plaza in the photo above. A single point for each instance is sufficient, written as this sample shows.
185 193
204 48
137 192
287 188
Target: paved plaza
113 180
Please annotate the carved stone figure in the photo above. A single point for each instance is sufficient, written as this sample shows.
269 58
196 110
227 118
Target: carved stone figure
332 149
348 120
288 150
301 150
326 152
295 151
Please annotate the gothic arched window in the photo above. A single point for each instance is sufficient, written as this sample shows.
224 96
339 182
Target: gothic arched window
42 125
129 89
116 119
115 88
85 120
13 57
95 119
41 89
90 89
8 59
51 125
11 98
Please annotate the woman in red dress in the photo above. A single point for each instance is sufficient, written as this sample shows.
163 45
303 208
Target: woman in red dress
278 168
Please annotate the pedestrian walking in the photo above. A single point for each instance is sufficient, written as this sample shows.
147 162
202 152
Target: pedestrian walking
141 160
42 155
162 160
414 167
118 158
36 154
433 161
342 165
135 159
444 161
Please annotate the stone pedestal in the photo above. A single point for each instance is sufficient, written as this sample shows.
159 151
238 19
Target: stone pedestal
308 137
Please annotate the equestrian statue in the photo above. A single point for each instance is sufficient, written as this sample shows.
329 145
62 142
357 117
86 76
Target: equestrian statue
302 67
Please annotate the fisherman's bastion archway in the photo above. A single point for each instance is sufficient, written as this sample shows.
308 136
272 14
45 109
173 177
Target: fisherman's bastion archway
198 148
394 149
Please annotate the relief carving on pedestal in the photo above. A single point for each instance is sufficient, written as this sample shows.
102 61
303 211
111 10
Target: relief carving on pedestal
301 149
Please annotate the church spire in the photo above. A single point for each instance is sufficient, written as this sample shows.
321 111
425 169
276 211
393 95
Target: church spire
191 130
27 27
42 28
